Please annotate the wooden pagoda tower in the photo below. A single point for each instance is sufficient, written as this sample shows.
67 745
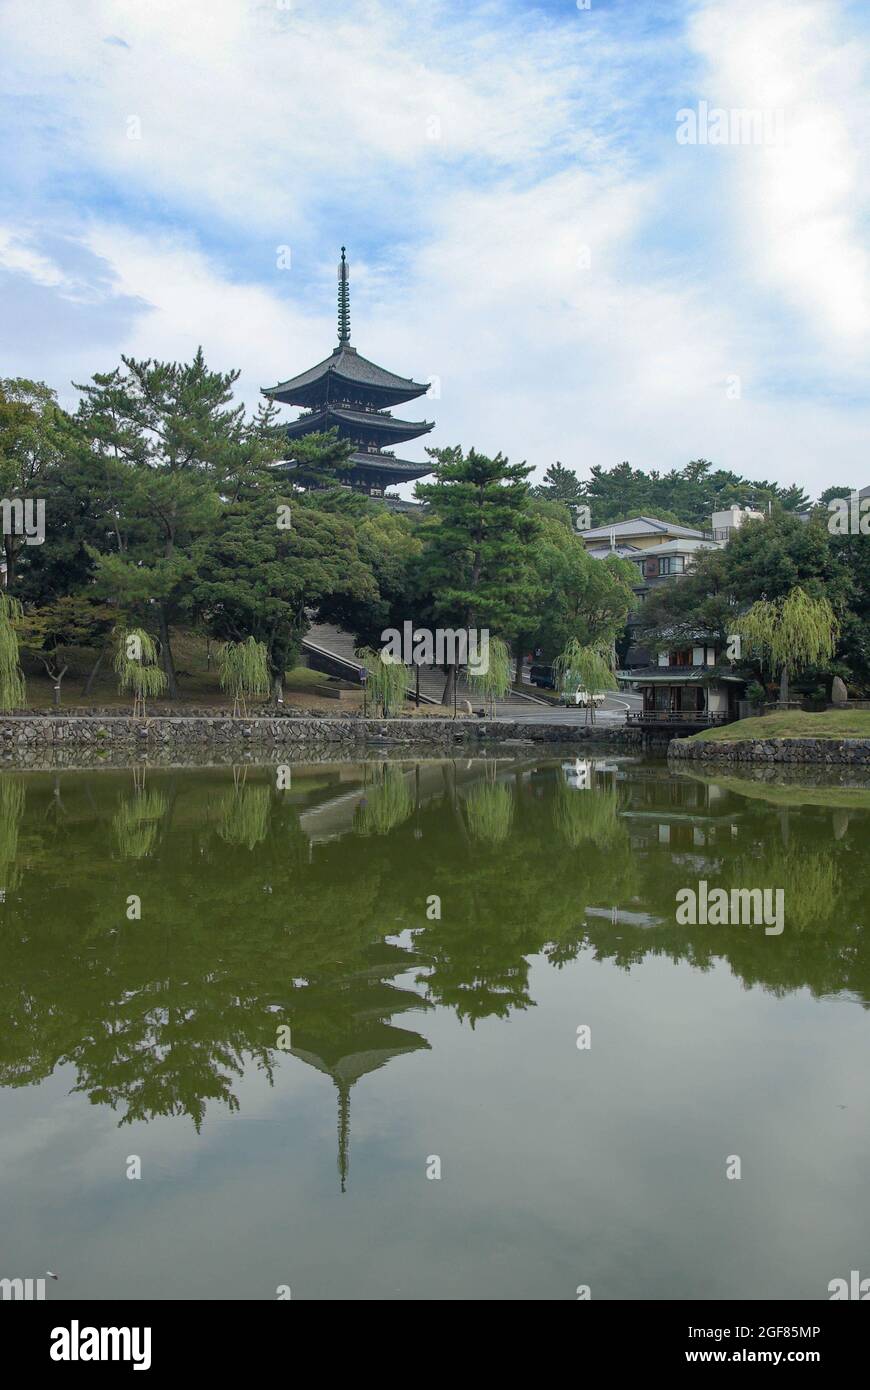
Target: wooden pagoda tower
349 393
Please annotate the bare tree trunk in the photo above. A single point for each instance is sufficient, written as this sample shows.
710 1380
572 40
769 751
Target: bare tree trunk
449 685
518 667
278 688
9 549
166 654
56 687
89 683
783 686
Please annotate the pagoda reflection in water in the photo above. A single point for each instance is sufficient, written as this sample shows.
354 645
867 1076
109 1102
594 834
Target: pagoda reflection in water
341 1026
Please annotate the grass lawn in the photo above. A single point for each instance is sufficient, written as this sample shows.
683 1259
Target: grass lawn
197 679
832 723
199 686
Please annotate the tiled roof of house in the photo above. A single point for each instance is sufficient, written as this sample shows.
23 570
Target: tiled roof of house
643 526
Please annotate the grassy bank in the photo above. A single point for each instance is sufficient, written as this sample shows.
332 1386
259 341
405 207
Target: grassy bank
199 686
792 724
784 794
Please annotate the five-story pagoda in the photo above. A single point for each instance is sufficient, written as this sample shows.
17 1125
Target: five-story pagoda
349 393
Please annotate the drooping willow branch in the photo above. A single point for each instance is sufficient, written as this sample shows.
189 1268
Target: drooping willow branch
136 658
12 687
244 672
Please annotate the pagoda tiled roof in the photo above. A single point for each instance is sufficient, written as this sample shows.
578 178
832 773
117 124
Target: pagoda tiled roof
384 424
346 364
382 463
401 470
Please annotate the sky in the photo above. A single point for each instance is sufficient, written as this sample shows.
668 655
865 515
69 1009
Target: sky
533 221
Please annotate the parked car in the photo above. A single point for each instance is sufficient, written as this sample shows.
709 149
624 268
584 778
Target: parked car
541 674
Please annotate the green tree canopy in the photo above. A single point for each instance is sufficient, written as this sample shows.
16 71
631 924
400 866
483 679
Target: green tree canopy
560 484
477 561
687 495
790 633
171 445
253 578
31 435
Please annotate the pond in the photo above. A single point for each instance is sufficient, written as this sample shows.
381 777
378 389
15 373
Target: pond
429 1028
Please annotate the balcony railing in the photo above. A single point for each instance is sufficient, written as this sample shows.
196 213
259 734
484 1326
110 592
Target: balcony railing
676 716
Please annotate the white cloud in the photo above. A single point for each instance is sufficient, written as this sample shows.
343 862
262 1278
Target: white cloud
261 126
243 106
18 257
801 209
185 300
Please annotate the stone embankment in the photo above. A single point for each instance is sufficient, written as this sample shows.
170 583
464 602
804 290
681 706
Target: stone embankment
773 750
22 733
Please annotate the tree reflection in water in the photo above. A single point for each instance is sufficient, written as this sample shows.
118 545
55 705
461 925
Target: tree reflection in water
263 908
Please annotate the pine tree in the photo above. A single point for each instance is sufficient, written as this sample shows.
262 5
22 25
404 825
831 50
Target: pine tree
560 484
477 564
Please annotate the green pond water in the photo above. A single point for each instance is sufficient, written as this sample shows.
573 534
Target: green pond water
291 1041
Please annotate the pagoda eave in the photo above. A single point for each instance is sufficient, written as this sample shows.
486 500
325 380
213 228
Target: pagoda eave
397 470
345 370
341 388
368 425
363 471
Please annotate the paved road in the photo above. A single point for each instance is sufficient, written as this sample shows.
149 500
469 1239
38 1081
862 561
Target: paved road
612 712
513 707
334 639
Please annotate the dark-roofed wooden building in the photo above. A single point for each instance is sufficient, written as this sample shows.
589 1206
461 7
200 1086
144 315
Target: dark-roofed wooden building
352 395
692 685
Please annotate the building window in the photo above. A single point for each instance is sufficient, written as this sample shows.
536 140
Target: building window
670 564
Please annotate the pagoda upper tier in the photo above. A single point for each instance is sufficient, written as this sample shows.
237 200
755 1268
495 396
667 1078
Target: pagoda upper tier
345 375
350 394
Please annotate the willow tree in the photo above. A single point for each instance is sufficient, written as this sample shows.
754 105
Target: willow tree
494 682
585 667
136 823
244 671
489 810
136 665
591 816
386 679
244 815
11 680
11 813
388 801
788 635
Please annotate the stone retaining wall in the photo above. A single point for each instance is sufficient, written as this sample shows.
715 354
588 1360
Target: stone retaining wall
774 750
20 733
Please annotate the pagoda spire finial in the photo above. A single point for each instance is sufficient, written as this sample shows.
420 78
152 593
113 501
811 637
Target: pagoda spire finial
343 1132
343 300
